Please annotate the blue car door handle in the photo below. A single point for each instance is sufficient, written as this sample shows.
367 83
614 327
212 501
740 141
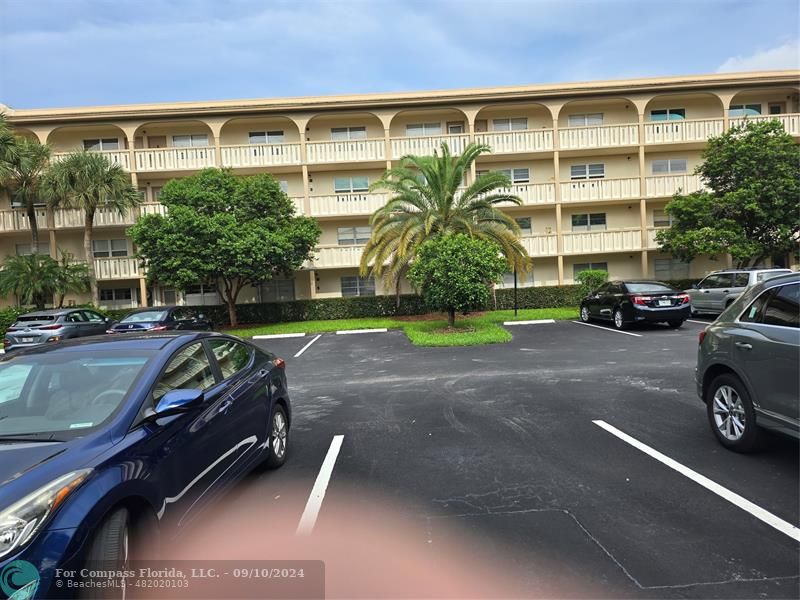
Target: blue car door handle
225 405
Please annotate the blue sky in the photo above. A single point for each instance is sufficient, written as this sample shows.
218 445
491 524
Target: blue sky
86 52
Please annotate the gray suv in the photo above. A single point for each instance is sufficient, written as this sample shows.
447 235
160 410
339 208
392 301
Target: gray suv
55 325
747 364
719 289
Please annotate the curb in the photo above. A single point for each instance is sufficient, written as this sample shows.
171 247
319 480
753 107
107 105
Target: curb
534 322
351 331
276 336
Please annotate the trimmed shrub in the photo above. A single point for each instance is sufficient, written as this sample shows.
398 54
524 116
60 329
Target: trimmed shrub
540 297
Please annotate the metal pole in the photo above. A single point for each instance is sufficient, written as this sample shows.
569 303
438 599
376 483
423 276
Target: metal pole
516 305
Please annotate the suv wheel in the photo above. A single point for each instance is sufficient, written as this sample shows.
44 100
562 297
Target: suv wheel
731 414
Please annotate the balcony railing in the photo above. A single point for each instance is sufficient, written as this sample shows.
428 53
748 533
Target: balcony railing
346 150
347 204
15 219
174 159
117 268
665 186
790 122
651 237
600 189
117 157
332 257
598 136
531 193
540 245
509 142
689 130
425 145
260 155
602 241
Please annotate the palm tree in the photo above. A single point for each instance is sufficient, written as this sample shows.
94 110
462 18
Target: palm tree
88 181
428 200
8 147
72 277
31 278
23 179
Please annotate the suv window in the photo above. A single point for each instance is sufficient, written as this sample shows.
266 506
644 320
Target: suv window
188 369
741 279
75 317
92 317
755 311
783 307
231 356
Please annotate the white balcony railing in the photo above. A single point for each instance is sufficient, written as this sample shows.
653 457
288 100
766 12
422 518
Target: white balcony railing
260 155
347 204
602 241
651 237
665 186
598 136
332 257
689 130
346 150
298 202
509 142
116 157
530 193
600 189
174 159
425 145
16 219
152 208
116 268
790 122
540 245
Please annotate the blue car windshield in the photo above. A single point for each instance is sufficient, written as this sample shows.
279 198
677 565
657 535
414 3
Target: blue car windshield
69 393
147 316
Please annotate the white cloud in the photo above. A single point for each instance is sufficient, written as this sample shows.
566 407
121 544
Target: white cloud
786 56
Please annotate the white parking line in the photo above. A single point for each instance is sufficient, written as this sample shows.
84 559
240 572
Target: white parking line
534 322
311 512
349 331
304 348
699 322
732 497
277 336
607 329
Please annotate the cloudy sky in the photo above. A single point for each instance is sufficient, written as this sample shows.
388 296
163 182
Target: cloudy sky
85 52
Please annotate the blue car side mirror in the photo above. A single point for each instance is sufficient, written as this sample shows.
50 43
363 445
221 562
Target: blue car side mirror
177 401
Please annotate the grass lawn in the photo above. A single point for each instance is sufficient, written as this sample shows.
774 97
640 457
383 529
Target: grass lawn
473 330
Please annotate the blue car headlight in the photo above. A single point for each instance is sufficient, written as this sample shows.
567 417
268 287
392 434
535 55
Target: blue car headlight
20 521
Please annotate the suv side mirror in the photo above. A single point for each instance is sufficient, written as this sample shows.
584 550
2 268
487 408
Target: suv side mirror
177 401
695 286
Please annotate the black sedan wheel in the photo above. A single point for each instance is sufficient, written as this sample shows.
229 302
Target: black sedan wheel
675 324
730 413
278 438
584 314
619 320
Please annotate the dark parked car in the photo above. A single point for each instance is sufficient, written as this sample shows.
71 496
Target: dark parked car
45 326
747 364
627 302
166 318
103 438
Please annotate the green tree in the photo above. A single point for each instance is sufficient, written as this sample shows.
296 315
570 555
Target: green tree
591 279
232 231
455 272
73 277
24 174
8 147
427 201
88 181
31 278
750 209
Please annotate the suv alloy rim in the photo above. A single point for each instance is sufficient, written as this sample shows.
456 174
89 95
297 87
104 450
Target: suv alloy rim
729 415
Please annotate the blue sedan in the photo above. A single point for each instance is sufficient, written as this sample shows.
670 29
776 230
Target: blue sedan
104 438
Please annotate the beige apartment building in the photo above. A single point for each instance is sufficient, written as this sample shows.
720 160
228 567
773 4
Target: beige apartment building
594 163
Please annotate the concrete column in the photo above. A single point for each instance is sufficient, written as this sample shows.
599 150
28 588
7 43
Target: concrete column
313 283
644 264
387 147
560 270
306 191
51 232
142 292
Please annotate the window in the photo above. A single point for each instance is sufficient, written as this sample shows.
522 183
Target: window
764 275
25 249
519 175
265 137
513 124
585 120
202 288
231 356
741 279
75 317
744 110
358 286
349 236
277 290
668 114
670 165
339 134
591 171
717 281
776 108
344 185
661 218
93 317
525 227
523 280
783 307
156 193
108 248
455 127
284 186
589 222
188 369
101 144
115 294
671 268
417 129
590 266
190 141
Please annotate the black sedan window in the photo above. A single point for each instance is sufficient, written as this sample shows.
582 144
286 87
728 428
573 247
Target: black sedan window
145 316
652 288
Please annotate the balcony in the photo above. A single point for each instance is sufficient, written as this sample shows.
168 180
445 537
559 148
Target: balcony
116 157
790 122
587 190
15 219
174 159
510 142
651 237
117 268
665 186
600 136
530 193
540 245
345 151
590 242
341 205
689 130
260 155
336 257
425 145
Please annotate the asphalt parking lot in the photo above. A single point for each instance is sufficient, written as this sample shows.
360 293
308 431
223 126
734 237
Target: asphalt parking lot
513 446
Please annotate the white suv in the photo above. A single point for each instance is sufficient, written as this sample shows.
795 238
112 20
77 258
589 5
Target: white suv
719 289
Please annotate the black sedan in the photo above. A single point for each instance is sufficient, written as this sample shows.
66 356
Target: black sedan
167 318
627 302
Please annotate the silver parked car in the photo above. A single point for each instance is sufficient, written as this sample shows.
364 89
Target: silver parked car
719 289
55 325
747 364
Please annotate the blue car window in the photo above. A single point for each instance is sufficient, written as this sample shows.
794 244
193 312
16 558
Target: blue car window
188 369
231 356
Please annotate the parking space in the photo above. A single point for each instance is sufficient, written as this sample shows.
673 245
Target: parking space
499 443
